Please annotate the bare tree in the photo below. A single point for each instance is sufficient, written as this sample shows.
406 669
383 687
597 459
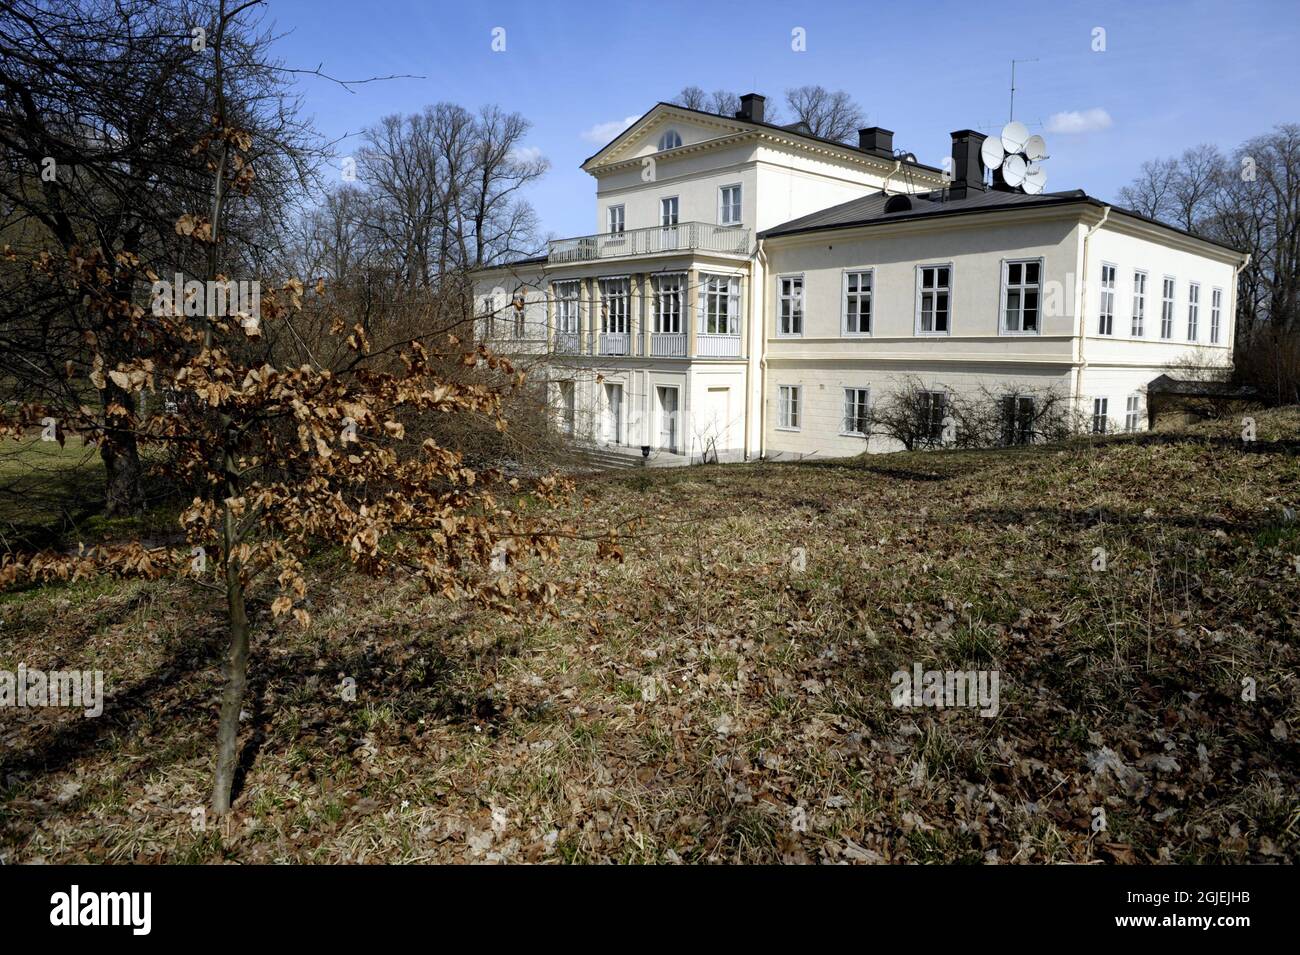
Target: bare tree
830 115
1151 193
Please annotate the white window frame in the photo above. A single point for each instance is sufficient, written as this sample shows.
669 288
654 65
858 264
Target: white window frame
798 299
1168 306
934 437
1100 415
1132 413
669 139
863 393
869 295
920 276
1193 311
663 211
621 216
621 314
719 288
723 206
1023 287
1138 321
1216 315
564 315
789 407
662 295
1106 300
519 305
1015 419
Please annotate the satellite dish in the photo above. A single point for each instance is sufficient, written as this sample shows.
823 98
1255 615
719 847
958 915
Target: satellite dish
1035 148
1014 135
992 153
1013 169
1035 179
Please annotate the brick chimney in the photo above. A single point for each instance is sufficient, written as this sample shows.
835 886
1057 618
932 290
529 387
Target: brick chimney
751 108
967 164
877 141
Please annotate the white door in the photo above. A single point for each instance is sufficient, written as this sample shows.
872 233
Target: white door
568 407
668 219
717 422
614 414
667 419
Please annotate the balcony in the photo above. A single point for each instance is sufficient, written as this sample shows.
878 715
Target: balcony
667 345
683 237
568 343
615 343
717 346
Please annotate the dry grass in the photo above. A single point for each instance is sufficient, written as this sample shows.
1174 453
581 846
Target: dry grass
707 701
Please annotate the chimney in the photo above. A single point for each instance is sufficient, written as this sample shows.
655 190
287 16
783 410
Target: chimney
967 164
877 141
751 108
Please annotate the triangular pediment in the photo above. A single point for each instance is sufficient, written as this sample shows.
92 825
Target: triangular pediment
645 136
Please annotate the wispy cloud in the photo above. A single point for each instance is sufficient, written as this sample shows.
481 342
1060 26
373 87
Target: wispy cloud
602 133
1079 121
526 154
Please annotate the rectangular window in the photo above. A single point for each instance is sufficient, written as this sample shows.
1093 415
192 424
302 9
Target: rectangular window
1167 308
1022 286
789 411
729 205
790 305
615 295
1193 311
519 305
1132 412
1099 417
1106 315
616 219
719 304
668 295
934 408
566 307
856 403
1017 420
857 303
668 211
489 316
1138 327
933 299
1216 315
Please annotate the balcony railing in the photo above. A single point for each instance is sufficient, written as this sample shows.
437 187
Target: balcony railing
567 343
717 346
667 345
615 343
683 237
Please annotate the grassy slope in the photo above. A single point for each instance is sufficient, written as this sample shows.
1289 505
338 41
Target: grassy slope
707 701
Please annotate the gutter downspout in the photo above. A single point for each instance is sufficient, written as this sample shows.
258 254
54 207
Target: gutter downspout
884 186
760 327
1081 362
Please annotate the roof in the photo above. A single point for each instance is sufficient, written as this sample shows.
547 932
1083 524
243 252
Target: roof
785 130
870 210
1169 385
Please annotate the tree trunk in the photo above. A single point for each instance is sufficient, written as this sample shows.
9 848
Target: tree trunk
121 456
123 492
232 697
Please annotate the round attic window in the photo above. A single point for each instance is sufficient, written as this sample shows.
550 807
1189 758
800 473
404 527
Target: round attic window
669 140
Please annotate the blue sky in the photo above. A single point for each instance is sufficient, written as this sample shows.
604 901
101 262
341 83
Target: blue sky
1172 74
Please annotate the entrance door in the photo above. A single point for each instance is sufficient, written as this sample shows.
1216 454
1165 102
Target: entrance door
667 418
717 422
614 414
568 407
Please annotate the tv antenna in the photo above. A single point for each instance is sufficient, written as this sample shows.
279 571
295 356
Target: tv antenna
1011 114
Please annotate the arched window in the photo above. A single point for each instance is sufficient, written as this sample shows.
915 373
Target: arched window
669 140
